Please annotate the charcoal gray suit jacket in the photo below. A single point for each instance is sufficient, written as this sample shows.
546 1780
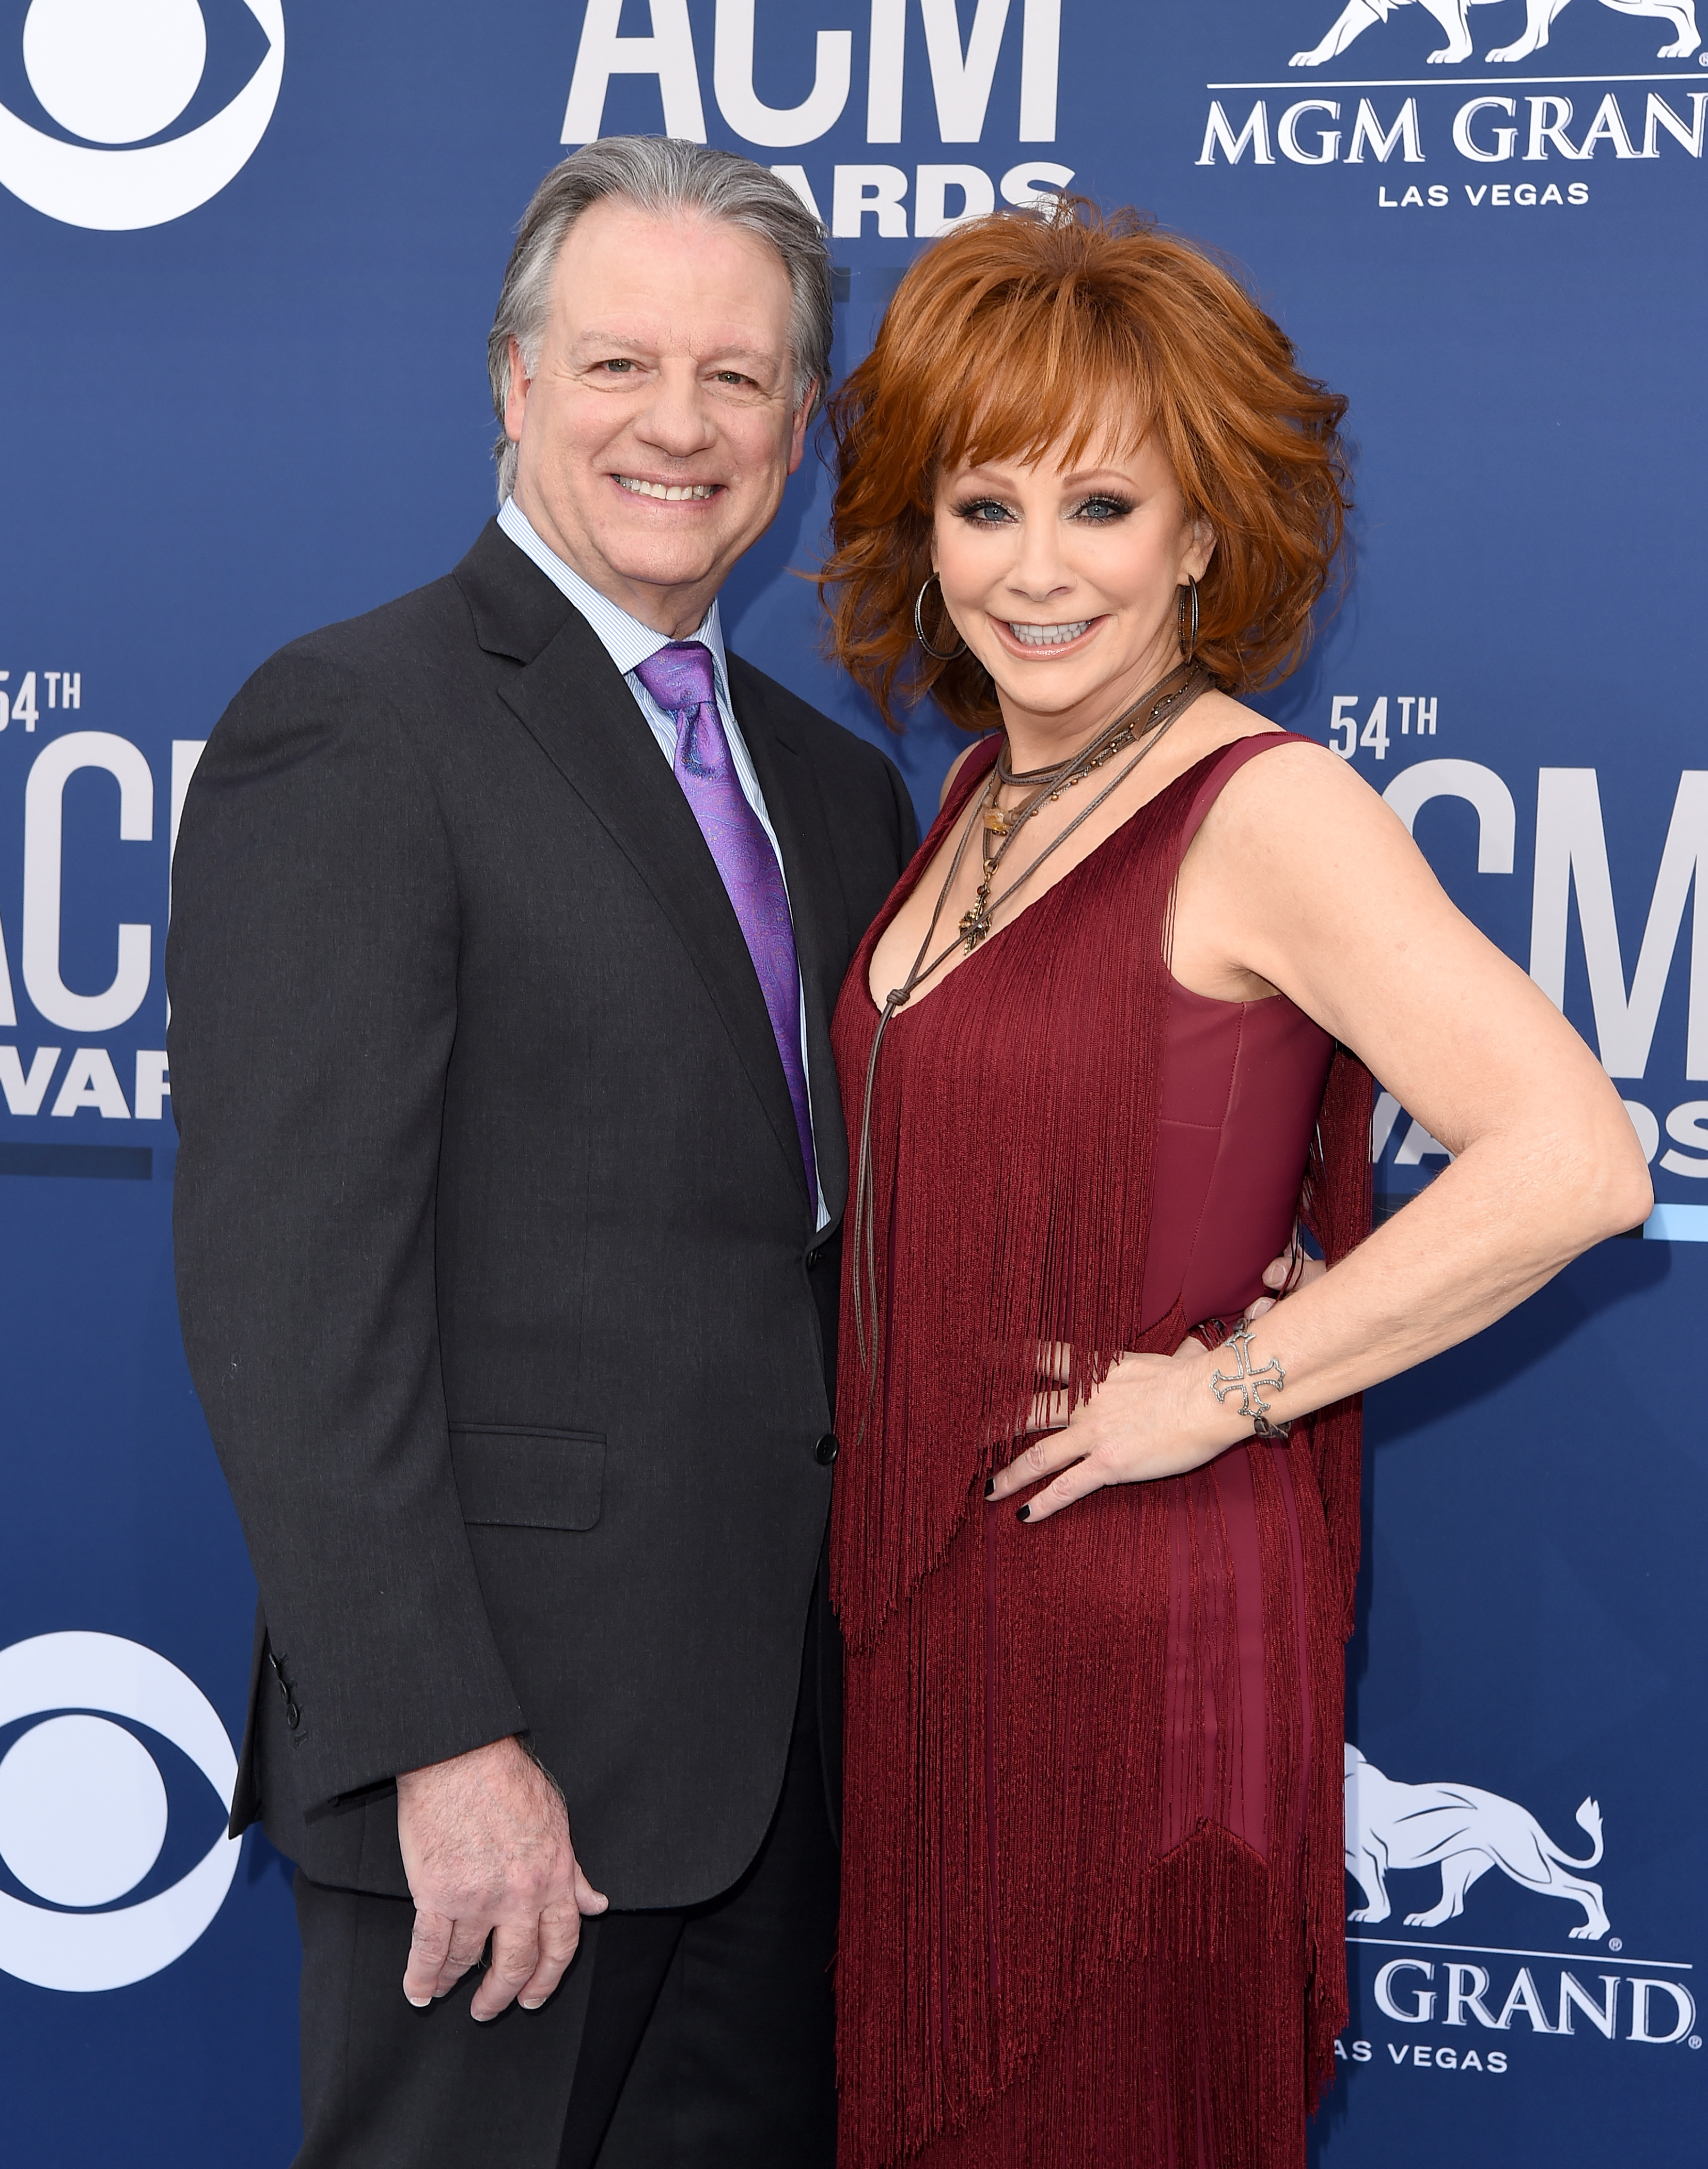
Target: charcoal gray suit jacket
498 1279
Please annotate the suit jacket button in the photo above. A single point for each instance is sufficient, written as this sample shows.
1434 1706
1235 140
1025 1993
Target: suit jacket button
825 1452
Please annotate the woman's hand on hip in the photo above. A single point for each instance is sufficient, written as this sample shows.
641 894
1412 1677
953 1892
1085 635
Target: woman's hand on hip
1152 1417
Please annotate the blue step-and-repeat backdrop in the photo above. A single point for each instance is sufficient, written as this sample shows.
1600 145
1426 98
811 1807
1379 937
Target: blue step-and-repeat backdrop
250 252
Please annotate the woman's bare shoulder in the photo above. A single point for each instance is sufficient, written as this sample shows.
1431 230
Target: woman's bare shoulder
955 765
1298 810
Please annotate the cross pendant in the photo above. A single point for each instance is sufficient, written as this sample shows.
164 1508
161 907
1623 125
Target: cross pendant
975 924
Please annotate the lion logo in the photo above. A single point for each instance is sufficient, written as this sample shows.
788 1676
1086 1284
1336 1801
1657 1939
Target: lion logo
1357 16
1463 1832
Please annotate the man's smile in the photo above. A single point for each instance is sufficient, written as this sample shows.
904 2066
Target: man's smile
669 493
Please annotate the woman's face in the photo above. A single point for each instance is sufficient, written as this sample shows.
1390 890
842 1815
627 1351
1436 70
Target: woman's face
1066 582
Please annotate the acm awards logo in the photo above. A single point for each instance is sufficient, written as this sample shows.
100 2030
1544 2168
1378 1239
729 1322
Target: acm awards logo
84 1812
115 75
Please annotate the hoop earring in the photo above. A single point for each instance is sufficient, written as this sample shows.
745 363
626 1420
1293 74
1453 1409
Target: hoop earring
935 654
1189 639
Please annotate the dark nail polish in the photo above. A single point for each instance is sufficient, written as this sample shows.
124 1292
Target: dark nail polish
990 1487
1023 1513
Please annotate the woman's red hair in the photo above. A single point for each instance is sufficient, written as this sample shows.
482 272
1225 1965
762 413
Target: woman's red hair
1029 330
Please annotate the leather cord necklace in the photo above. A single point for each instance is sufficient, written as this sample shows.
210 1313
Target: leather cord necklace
1162 706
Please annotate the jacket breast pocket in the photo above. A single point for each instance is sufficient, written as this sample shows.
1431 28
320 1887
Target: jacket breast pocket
512 1476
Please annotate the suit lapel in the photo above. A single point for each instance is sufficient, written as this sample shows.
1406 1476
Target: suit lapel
571 699
817 904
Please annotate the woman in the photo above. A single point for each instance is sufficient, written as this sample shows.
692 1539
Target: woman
1108 1043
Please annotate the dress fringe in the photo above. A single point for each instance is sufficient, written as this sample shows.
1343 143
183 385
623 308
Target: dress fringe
1080 1814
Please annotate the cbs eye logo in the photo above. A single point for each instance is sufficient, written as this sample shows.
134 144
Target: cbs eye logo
117 73
83 1811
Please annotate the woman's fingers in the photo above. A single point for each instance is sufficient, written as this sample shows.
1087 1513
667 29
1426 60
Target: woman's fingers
1049 1450
1088 1474
1055 1360
1294 1267
1048 1412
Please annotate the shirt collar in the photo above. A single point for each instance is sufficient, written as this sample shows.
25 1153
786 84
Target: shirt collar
625 639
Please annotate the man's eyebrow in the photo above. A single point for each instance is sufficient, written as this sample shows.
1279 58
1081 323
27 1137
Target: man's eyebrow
622 341
615 339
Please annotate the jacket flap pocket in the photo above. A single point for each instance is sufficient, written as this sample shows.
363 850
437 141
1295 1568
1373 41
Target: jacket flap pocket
529 1479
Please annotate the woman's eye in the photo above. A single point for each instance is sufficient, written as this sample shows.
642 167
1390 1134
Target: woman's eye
983 511
1101 509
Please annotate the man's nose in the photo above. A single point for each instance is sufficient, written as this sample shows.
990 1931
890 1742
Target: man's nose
677 419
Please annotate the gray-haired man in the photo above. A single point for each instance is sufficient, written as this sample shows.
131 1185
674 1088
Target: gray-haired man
508 921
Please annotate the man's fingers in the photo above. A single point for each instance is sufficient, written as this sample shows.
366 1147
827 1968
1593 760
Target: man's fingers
587 1899
560 1934
1052 1449
428 1942
468 1942
515 1953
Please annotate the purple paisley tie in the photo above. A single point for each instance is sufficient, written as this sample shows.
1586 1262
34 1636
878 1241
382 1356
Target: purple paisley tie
680 678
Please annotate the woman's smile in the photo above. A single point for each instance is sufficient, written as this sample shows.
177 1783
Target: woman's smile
1047 643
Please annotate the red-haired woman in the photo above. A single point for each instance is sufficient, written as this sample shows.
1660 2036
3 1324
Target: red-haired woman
1096 1527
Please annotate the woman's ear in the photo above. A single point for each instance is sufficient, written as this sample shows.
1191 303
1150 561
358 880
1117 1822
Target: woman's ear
1201 549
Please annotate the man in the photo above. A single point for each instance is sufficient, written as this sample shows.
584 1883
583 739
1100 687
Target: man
508 923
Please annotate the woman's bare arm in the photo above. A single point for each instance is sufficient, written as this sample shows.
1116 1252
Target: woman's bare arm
1304 879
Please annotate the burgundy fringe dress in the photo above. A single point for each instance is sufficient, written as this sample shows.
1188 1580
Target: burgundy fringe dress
1092 1890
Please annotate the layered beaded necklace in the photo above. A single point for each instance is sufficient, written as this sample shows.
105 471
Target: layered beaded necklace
1145 723
1148 718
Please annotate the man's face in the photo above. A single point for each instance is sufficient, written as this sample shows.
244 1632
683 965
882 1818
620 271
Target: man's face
654 438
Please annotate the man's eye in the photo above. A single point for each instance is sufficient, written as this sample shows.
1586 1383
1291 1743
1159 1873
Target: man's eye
733 377
618 368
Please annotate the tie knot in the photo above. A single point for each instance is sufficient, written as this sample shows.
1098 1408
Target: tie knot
679 677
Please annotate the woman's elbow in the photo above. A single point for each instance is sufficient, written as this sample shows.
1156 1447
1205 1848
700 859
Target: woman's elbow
1616 1192
1635 1199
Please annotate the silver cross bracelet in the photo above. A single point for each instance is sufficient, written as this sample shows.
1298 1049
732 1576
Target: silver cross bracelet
1249 1382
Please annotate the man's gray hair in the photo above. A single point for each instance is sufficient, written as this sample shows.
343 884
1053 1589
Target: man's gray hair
667 177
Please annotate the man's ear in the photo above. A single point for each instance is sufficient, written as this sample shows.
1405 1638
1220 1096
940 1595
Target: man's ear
516 406
797 433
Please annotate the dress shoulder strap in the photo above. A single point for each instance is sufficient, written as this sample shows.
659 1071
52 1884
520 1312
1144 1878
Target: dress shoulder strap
976 763
1222 765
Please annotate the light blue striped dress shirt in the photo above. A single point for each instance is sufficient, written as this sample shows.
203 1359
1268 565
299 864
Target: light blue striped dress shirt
628 643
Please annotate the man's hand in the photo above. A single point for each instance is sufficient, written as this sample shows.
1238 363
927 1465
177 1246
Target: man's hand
486 1848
